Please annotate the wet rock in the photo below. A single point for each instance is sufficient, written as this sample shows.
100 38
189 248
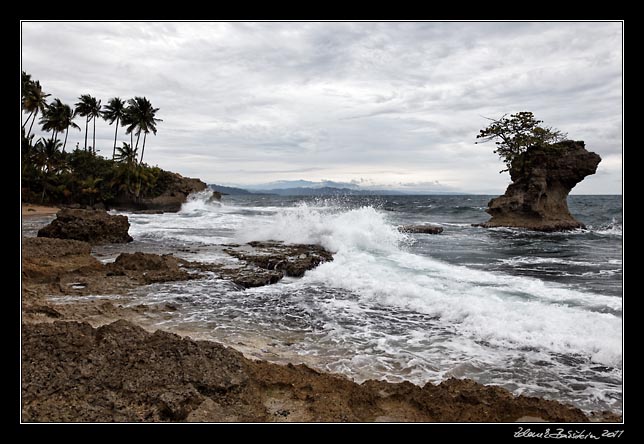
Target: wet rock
265 263
63 266
291 260
143 261
93 226
243 274
541 179
149 267
420 229
249 277
215 197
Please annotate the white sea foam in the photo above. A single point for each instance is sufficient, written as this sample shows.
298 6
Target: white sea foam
503 310
611 230
363 228
534 260
516 313
379 310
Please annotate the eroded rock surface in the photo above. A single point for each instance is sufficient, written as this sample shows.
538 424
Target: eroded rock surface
120 372
541 179
93 226
149 267
290 259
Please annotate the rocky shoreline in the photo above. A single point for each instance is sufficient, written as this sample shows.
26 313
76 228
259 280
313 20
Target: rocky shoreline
90 359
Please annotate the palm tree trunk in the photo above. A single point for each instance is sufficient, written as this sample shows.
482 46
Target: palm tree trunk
86 124
143 149
27 121
64 144
138 187
53 136
115 132
32 123
94 135
137 140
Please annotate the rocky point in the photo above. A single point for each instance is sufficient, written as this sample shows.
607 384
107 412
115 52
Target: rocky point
542 177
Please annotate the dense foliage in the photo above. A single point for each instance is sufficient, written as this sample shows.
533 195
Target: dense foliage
51 175
517 134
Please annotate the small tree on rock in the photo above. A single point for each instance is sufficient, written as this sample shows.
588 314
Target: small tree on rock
516 134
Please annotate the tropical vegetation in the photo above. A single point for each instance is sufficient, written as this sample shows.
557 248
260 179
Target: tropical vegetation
518 133
52 175
114 112
33 99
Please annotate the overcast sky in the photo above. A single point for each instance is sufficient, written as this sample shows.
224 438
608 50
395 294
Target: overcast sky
392 105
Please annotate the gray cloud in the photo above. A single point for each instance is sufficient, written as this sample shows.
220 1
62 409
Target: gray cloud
388 104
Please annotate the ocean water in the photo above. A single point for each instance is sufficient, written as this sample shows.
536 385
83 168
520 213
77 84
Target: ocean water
537 313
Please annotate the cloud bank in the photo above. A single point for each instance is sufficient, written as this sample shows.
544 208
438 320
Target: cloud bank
384 104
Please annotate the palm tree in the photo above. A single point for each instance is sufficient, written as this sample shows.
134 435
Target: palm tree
33 99
141 117
148 123
58 117
126 154
49 154
127 122
90 108
83 109
131 119
49 159
27 152
25 81
50 119
95 113
114 111
67 120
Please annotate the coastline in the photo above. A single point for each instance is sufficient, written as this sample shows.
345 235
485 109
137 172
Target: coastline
69 364
32 210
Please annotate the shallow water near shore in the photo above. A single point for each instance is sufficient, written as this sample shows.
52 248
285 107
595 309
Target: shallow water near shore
537 313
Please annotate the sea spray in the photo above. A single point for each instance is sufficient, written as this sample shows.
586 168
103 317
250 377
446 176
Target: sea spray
199 204
334 228
537 313
505 311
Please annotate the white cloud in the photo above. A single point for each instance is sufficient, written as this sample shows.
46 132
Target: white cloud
385 103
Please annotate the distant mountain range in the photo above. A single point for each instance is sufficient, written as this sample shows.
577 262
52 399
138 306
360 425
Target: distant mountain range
328 191
308 188
296 184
